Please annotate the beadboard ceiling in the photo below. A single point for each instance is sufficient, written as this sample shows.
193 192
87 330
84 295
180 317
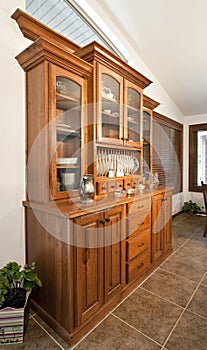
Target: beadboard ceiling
170 36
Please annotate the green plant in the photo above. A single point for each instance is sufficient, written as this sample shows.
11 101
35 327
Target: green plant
191 207
15 282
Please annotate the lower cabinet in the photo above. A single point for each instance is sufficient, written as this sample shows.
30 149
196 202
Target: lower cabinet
161 224
99 260
138 244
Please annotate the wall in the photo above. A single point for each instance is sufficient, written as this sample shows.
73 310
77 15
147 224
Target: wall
190 120
11 136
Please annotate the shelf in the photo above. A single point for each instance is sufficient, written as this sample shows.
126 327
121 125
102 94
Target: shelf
67 166
133 108
107 99
110 115
66 102
64 134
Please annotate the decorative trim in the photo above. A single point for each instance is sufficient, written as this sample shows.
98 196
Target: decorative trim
148 102
162 119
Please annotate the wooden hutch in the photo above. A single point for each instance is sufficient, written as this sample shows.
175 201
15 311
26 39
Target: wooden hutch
84 104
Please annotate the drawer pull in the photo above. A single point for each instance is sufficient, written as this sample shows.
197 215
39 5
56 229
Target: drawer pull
140 265
140 206
102 221
140 245
142 223
108 220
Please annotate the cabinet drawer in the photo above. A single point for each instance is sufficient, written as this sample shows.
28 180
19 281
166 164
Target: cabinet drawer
138 244
137 266
111 185
101 187
138 222
142 204
119 185
127 184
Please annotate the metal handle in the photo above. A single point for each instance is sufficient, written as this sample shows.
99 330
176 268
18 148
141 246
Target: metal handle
142 223
108 220
140 265
102 221
140 245
140 206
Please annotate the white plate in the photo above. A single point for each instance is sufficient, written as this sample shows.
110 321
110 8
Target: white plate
136 165
71 161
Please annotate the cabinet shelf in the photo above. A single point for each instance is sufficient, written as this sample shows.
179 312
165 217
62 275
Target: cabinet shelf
65 135
67 166
66 102
133 108
107 99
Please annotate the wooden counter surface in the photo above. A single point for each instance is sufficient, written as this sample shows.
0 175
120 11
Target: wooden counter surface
72 209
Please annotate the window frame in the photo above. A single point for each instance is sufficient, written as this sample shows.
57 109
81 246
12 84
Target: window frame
193 129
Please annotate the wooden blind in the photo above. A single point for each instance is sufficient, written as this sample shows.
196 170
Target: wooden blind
167 151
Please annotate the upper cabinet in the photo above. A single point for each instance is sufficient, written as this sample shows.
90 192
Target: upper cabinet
56 97
148 106
67 97
117 93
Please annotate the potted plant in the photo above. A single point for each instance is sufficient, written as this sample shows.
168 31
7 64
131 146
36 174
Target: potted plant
191 207
16 284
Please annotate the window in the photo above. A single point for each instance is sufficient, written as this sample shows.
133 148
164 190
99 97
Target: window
70 20
167 151
197 156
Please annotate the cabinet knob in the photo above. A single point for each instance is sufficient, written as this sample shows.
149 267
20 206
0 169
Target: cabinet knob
142 223
140 206
108 219
140 265
127 139
120 185
104 188
112 186
122 138
102 221
140 245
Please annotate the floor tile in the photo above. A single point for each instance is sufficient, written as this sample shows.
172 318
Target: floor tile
171 287
204 282
35 338
196 255
114 334
199 302
186 268
189 334
177 241
150 314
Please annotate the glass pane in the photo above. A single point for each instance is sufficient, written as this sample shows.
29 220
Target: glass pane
201 157
133 115
68 134
146 126
110 107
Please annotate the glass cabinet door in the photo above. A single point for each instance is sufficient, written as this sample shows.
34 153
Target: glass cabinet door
132 116
146 144
66 134
110 109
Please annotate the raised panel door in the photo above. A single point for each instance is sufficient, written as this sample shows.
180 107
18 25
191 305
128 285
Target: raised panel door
157 227
114 251
89 266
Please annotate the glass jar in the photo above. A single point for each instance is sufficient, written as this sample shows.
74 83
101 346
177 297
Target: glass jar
86 189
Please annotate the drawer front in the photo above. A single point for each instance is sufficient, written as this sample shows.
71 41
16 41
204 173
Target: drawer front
138 222
137 266
127 184
111 185
101 188
142 204
138 244
119 185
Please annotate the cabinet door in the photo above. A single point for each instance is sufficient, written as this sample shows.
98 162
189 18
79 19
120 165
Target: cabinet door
110 100
161 224
158 214
89 266
147 153
114 251
67 94
132 115
168 222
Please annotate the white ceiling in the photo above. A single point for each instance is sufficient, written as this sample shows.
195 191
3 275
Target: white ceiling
170 36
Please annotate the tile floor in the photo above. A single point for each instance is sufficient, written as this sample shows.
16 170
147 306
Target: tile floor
167 311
